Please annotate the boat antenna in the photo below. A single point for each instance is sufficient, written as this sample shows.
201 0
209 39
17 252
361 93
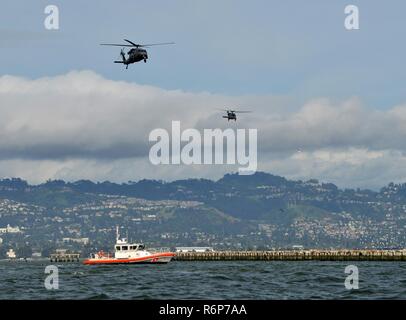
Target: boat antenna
117 234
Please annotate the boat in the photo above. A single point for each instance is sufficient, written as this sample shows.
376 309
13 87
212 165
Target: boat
129 253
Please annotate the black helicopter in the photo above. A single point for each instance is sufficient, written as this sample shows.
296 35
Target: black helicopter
231 114
136 54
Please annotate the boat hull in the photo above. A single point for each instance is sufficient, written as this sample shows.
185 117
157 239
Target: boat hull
160 258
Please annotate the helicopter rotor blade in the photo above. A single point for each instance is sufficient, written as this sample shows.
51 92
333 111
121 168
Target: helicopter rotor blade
134 44
157 44
115 45
235 111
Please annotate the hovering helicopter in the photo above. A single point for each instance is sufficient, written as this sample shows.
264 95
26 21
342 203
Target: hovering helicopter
231 114
136 53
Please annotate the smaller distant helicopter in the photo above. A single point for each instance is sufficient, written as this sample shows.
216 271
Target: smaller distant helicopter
136 53
231 114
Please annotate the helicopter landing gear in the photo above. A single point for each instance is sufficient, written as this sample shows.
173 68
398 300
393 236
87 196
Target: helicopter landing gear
145 60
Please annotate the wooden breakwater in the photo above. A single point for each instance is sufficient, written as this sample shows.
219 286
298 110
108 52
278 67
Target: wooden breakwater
293 255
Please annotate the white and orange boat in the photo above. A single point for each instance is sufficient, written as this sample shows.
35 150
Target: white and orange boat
125 253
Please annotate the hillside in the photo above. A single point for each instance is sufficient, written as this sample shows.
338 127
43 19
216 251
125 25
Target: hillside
261 210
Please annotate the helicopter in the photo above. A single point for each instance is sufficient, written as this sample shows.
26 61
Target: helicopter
231 114
136 53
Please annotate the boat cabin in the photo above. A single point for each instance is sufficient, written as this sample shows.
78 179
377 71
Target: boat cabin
129 247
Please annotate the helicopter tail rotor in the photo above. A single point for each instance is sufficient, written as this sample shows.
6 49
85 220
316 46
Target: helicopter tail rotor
123 61
122 55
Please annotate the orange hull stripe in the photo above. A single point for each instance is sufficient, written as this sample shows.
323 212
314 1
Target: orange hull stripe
107 261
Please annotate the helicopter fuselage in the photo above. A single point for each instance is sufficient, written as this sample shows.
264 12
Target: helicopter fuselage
231 116
136 55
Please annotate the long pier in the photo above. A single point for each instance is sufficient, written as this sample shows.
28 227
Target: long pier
295 255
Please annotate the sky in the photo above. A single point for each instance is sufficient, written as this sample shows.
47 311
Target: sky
328 103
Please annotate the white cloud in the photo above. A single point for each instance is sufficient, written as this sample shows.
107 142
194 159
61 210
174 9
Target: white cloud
81 125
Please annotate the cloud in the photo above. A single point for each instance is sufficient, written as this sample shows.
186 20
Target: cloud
346 167
82 115
81 125
321 124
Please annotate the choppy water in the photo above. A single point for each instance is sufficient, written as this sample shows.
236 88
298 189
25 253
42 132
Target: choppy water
204 280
